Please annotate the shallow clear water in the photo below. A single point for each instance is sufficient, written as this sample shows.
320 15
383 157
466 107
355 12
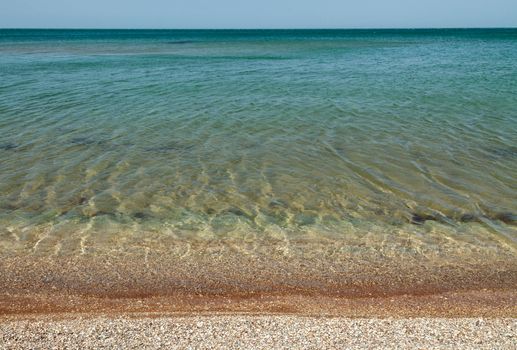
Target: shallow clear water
400 141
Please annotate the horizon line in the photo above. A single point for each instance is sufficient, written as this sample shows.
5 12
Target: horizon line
250 28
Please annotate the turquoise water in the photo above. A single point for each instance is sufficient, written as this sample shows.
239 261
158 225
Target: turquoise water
370 138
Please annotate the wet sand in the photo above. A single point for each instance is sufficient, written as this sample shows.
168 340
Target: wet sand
158 301
236 283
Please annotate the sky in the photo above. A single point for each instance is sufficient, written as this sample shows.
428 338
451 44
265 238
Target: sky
257 13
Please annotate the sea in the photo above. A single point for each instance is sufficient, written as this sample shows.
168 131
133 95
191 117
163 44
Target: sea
385 145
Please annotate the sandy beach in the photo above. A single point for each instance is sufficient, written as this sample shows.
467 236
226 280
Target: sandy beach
217 297
455 320
52 315
258 332
155 301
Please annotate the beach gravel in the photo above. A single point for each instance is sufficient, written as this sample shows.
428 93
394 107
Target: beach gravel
257 332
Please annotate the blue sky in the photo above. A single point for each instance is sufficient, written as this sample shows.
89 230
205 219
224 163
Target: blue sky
257 13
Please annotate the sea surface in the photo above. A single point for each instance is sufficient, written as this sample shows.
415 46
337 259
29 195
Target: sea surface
379 143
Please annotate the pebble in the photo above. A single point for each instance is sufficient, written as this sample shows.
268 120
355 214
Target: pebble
257 332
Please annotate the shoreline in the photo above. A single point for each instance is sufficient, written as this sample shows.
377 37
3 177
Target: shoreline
485 303
311 279
240 284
